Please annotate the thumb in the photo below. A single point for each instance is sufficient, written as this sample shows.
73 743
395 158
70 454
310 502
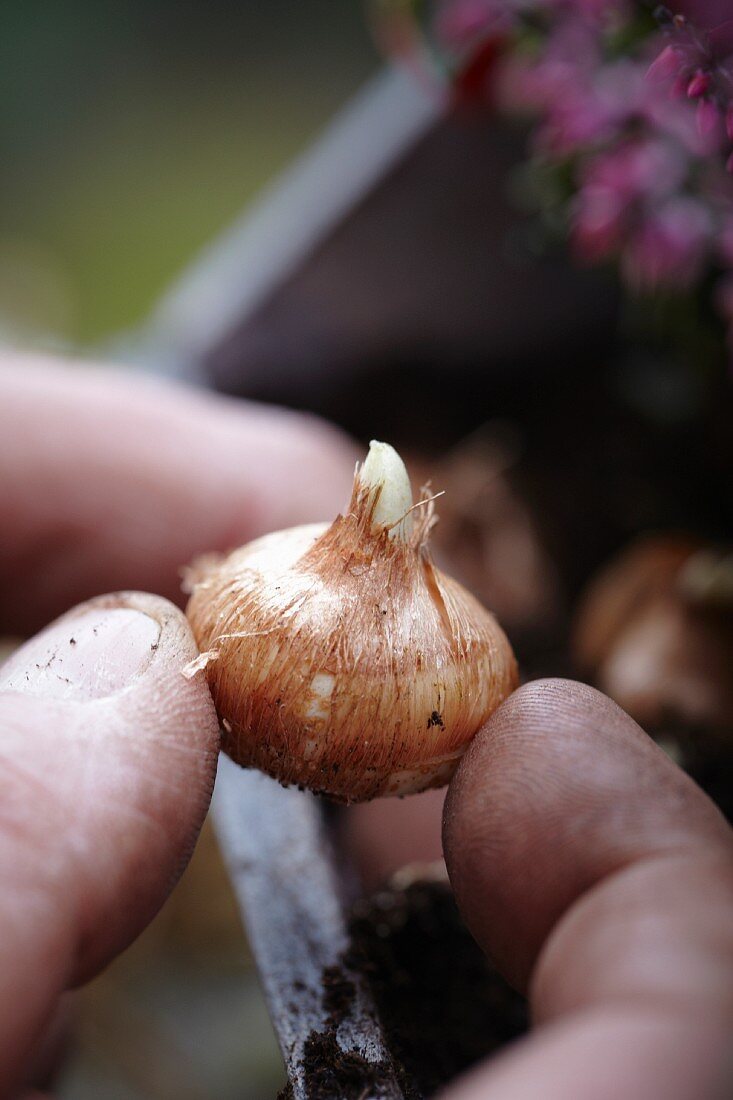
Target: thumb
107 761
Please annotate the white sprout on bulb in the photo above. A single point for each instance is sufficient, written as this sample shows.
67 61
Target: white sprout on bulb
384 469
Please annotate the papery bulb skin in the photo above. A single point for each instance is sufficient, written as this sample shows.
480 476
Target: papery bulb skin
339 658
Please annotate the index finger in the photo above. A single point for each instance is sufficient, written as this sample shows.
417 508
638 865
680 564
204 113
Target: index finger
600 877
113 481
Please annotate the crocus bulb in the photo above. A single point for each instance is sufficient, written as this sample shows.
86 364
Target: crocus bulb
654 631
339 657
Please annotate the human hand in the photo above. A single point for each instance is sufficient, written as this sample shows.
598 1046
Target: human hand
114 480
107 754
599 878
584 862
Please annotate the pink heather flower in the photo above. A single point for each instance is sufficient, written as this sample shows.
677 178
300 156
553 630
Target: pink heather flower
708 118
643 140
669 247
586 112
666 66
592 10
577 121
597 222
680 86
714 17
699 85
539 86
617 184
694 65
666 116
459 24
648 170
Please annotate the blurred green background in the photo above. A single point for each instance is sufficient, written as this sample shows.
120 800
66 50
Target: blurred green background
133 131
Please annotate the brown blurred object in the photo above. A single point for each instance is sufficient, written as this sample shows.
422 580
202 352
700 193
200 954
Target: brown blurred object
385 835
488 534
655 632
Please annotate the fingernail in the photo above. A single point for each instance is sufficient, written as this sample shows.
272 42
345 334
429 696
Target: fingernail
86 656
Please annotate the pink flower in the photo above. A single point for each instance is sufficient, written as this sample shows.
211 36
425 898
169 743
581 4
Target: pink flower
594 10
699 85
666 66
640 137
708 118
678 119
585 112
694 65
459 24
669 247
597 223
647 170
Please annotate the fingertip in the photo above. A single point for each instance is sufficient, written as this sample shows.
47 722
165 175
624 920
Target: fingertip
118 754
557 790
127 647
94 650
86 450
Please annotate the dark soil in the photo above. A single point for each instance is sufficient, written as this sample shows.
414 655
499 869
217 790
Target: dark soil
442 1005
331 1073
338 994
